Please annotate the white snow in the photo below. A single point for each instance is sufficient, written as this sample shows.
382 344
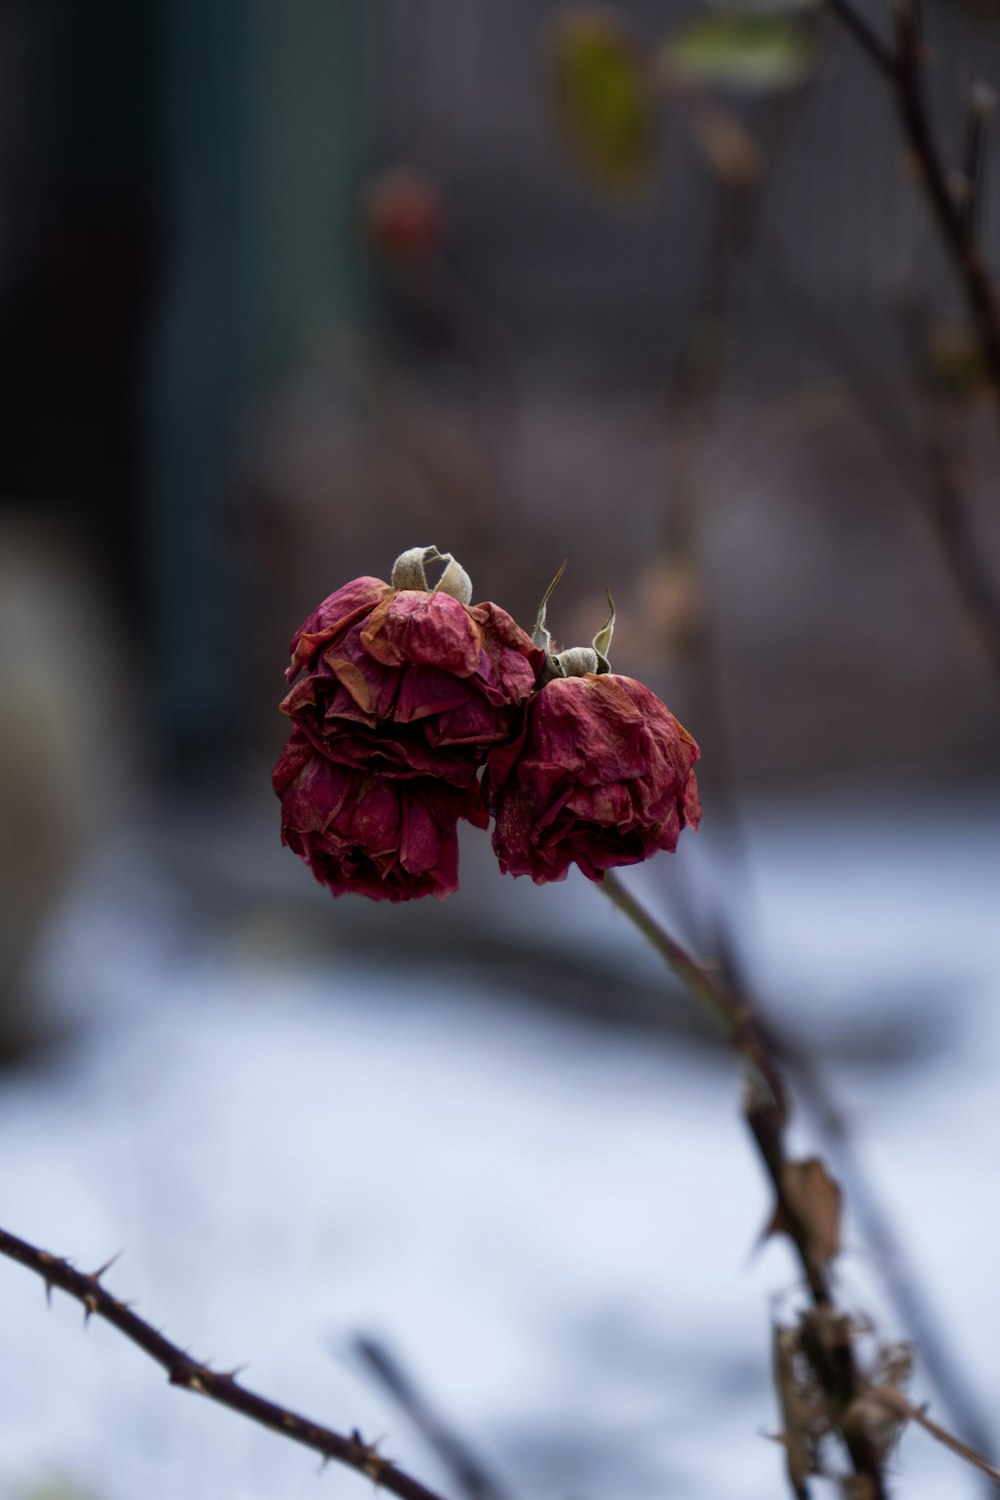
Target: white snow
551 1226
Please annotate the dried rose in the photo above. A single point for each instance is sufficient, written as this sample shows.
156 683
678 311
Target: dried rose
382 837
601 775
405 682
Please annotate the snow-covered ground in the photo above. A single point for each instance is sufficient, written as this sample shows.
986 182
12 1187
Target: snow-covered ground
551 1225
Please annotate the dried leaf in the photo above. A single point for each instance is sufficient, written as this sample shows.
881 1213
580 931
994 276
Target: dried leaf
794 1408
883 1412
814 1198
604 99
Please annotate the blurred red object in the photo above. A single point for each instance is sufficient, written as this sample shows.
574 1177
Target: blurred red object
403 214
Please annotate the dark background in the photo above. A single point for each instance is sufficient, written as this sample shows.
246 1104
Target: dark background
732 401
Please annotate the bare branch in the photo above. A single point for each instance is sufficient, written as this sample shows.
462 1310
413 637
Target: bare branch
904 71
950 1441
469 1474
896 1405
859 28
982 102
222 1387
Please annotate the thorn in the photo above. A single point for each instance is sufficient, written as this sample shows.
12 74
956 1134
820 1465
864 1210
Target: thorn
232 1374
367 1458
89 1307
96 1275
48 1292
189 1374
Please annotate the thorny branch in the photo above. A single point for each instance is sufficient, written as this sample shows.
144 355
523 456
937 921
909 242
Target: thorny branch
223 1387
851 1403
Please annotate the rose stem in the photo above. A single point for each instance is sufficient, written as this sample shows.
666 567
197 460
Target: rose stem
734 1016
766 1112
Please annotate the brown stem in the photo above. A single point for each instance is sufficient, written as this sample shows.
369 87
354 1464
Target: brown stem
767 1112
961 551
736 1020
981 105
863 34
218 1386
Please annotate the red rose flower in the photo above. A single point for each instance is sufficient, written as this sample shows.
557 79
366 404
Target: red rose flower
600 776
382 837
406 682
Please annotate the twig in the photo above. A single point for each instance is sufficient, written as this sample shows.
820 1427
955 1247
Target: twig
863 34
469 1474
962 553
958 219
963 1450
981 105
903 71
888 1400
923 449
222 1387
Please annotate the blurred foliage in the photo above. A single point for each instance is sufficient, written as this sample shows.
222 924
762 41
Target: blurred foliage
604 99
606 90
743 52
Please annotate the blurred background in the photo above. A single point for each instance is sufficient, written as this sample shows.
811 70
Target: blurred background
288 288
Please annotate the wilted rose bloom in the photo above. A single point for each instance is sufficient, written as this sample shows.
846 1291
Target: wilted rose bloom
405 683
383 837
601 775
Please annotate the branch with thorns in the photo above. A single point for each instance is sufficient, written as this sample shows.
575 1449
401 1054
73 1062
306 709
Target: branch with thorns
220 1386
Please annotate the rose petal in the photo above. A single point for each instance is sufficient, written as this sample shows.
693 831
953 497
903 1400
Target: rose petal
600 776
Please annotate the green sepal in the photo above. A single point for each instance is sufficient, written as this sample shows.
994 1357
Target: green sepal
541 636
602 640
